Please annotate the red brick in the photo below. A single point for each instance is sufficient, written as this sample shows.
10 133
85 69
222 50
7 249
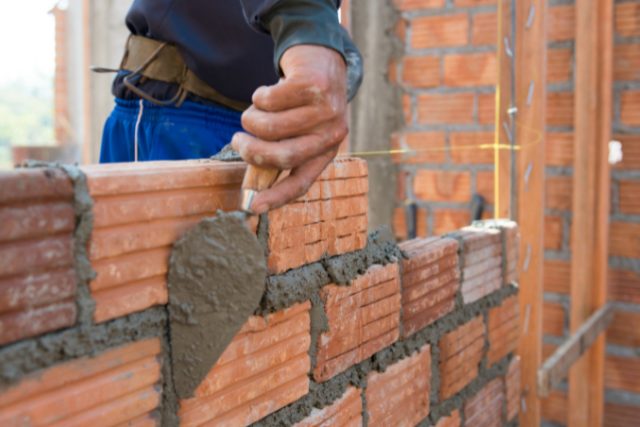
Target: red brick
485 408
485 29
31 322
36 220
512 388
553 232
486 108
264 369
629 201
400 395
560 108
624 239
558 192
439 31
624 329
400 226
32 185
363 319
561 23
422 147
428 288
466 147
130 298
624 285
432 185
553 319
555 407
452 420
421 71
627 19
485 186
119 384
626 61
471 69
407 109
19 292
504 329
346 411
448 220
559 65
472 3
460 355
454 108
556 276
405 5
630 108
622 373
631 150
559 149
620 415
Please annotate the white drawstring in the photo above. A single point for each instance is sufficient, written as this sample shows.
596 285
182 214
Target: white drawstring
135 137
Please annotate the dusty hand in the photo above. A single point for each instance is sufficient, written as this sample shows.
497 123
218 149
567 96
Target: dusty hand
296 124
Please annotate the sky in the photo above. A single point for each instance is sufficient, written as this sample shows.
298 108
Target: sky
26 40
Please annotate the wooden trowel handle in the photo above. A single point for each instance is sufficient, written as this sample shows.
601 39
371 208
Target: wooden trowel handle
256 179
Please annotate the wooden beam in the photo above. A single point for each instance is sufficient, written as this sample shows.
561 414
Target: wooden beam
556 368
591 187
531 67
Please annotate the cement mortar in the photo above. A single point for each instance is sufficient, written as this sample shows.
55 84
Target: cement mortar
32 355
227 154
217 274
83 209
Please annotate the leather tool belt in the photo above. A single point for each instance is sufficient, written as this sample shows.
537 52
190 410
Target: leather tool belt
162 61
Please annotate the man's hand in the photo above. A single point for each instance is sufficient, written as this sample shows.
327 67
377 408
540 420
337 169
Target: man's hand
297 124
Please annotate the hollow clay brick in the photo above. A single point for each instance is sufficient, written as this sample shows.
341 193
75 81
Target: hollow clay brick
363 318
512 388
346 411
485 408
36 220
33 290
452 420
116 385
263 369
135 296
33 256
461 351
400 395
430 281
31 185
31 322
503 329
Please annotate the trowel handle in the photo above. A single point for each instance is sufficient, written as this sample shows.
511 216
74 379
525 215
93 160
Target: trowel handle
256 179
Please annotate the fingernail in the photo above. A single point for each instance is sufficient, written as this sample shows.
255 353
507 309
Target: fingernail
260 209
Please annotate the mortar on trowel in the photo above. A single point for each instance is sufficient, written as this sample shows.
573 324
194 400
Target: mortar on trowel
217 274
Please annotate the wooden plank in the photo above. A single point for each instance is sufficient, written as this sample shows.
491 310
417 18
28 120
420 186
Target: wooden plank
531 53
505 157
556 367
591 187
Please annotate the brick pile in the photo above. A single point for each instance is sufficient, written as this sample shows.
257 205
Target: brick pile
362 330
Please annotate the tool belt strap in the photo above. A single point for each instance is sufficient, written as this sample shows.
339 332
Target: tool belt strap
162 61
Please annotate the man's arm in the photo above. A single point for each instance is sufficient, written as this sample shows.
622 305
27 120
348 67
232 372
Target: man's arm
299 123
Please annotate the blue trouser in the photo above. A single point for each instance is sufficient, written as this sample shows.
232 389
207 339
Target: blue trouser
193 131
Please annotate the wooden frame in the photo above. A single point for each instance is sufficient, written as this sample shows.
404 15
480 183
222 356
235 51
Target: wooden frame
591 186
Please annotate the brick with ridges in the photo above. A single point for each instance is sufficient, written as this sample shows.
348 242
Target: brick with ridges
512 388
503 329
345 411
485 408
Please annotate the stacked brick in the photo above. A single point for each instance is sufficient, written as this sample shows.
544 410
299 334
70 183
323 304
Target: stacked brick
330 219
37 279
113 387
394 344
430 281
264 369
363 319
482 269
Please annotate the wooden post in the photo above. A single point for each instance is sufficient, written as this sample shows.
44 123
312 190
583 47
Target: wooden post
589 263
531 64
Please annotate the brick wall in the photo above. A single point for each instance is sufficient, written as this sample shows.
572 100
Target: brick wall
352 329
447 74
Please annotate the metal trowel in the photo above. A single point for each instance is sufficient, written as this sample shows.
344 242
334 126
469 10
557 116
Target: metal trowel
217 275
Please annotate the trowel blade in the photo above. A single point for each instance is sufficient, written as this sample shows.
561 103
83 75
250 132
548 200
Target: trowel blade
217 274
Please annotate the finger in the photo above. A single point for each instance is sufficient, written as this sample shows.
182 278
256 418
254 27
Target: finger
284 124
288 153
286 94
293 186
